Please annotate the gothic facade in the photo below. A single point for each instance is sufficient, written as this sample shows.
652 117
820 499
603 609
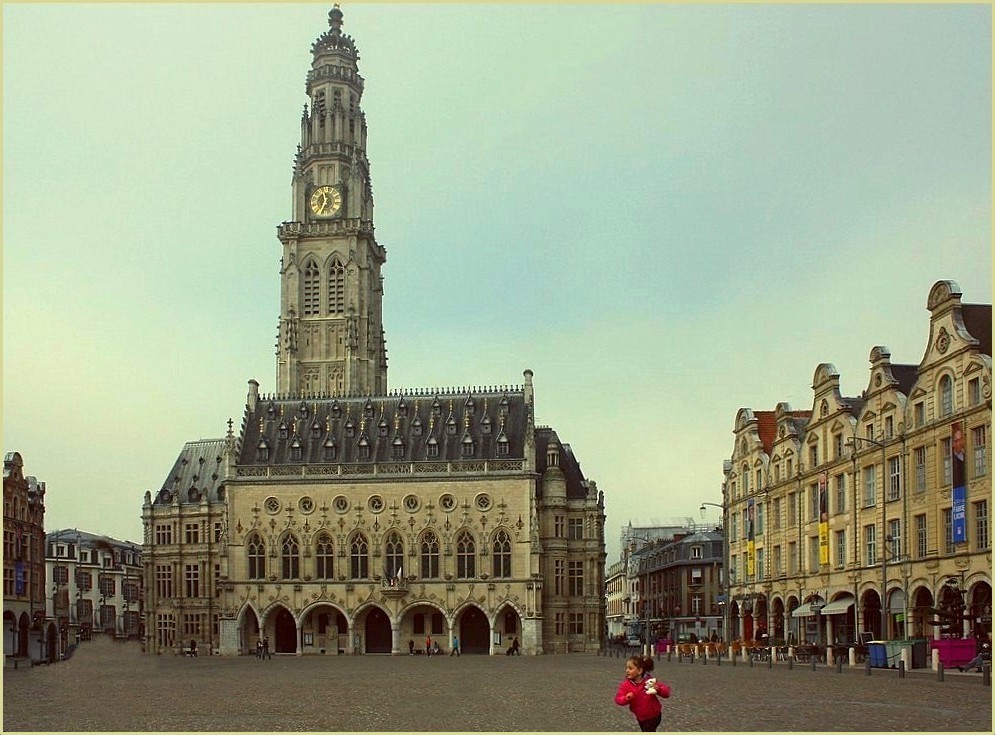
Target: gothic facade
343 517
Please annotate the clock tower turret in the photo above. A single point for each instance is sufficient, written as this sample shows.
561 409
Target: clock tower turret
331 339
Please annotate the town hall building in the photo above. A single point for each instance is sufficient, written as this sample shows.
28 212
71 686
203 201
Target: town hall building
343 517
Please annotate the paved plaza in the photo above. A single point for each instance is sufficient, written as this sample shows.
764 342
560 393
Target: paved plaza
112 686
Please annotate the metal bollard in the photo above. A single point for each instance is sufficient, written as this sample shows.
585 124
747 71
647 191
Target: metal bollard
813 662
939 671
791 663
668 655
718 660
751 662
867 665
770 661
734 657
901 669
839 664
986 676
704 660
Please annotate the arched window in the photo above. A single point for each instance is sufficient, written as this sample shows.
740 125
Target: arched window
257 557
946 395
311 301
502 554
466 556
290 554
323 555
394 555
336 287
430 555
359 556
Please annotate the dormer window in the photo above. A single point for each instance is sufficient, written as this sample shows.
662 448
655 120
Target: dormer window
336 411
485 426
383 427
350 429
416 427
436 408
329 450
262 451
284 431
502 444
451 426
368 409
467 445
315 430
271 410
470 406
402 409
295 450
432 447
398 448
364 449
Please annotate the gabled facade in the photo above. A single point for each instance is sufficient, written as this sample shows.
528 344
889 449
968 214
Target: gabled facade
23 561
844 519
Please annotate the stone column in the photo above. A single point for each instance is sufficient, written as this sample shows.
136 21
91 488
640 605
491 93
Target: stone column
395 638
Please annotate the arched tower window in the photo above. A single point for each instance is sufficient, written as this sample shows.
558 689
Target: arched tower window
290 555
394 555
466 556
257 557
430 555
323 555
311 301
336 287
946 395
502 555
359 557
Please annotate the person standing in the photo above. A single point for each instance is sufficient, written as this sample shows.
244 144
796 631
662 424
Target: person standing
259 649
411 647
640 693
266 651
455 651
428 645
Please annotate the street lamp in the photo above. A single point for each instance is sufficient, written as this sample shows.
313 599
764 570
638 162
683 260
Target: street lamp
884 522
725 564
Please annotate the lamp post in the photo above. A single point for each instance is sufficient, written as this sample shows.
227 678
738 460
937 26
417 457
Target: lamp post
725 565
884 533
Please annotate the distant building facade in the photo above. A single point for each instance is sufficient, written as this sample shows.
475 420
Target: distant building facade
95 586
870 514
346 518
23 561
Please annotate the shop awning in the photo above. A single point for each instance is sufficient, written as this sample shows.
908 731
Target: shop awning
838 606
802 611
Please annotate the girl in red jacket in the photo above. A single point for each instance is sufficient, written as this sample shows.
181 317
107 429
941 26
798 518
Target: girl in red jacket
640 692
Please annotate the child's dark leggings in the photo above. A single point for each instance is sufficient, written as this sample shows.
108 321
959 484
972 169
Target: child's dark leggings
651 724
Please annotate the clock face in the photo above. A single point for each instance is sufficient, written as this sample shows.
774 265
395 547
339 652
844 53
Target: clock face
326 201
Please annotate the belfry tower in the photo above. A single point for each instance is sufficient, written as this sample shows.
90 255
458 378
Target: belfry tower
331 339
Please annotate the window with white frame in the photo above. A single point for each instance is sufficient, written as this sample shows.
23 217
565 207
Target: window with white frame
870 486
921 540
776 561
695 552
776 519
981 538
919 454
889 427
759 566
948 530
974 391
946 395
840 493
838 446
979 443
895 538
792 558
945 452
920 413
760 518
813 553
870 545
894 478
813 455
840 549
792 509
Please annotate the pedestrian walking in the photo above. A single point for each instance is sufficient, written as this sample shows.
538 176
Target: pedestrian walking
266 651
259 649
515 647
640 693
411 647
455 651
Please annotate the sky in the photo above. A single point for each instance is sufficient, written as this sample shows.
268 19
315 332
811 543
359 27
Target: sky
666 212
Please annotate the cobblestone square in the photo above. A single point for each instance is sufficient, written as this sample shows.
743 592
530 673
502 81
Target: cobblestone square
112 686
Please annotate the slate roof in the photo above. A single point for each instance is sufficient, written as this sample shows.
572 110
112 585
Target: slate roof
906 375
198 468
978 320
576 484
384 429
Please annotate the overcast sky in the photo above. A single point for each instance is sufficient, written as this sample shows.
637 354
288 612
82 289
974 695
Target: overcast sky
667 212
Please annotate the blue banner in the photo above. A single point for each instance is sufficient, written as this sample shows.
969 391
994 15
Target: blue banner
19 578
959 515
